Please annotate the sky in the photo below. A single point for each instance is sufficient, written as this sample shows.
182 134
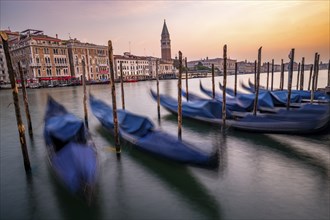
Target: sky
199 29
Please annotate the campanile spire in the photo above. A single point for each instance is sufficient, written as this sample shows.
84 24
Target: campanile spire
165 43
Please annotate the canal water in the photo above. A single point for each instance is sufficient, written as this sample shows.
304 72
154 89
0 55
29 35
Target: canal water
259 176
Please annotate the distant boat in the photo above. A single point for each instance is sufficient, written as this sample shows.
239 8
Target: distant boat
244 101
140 132
304 95
304 120
71 152
199 109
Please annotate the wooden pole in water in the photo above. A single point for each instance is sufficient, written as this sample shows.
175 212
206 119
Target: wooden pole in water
313 79
122 86
114 104
158 97
329 73
255 107
85 97
302 73
255 75
20 126
180 98
298 73
186 66
25 98
291 56
235 87
213 83
317 71
272 81
267 75
282 75
224 88
310 77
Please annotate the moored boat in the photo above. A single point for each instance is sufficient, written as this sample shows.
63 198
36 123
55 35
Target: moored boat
71 151
140 132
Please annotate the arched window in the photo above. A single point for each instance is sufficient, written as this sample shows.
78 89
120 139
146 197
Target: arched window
77 61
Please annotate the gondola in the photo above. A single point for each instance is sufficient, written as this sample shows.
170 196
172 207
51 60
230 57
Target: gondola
244 101
307 119
304 95
204 110
71 151
140 132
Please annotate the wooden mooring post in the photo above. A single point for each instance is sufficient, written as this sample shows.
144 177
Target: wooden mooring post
329 73
302 74
298 74
282 75
291 56
25 98
224 116
158 97
122 86
310 77
180 98
114 103
235 84
272 79
186 68
317 71
255 106
267 75
20 126
255 75
85 96
314 77
213 83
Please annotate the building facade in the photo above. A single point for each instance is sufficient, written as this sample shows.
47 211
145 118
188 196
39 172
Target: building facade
95 57
133 67
217 62
43 59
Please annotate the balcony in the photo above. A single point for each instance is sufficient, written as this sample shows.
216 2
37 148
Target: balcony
35 64
103 71
61 64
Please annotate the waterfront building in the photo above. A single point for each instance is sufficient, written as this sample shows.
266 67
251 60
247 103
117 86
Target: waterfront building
4 77
96 60
218 64
134 67
43 58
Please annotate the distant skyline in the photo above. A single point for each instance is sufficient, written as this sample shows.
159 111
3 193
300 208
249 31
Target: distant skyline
198 28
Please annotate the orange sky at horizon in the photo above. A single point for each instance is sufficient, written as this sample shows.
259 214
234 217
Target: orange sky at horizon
198 28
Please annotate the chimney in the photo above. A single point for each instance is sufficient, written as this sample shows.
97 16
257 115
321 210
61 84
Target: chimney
56 36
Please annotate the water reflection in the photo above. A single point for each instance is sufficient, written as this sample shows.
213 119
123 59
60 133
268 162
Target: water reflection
175 175
284 149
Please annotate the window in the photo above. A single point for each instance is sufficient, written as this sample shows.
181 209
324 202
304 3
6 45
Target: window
39 72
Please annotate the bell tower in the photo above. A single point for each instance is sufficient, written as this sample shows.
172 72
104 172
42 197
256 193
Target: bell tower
165 43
